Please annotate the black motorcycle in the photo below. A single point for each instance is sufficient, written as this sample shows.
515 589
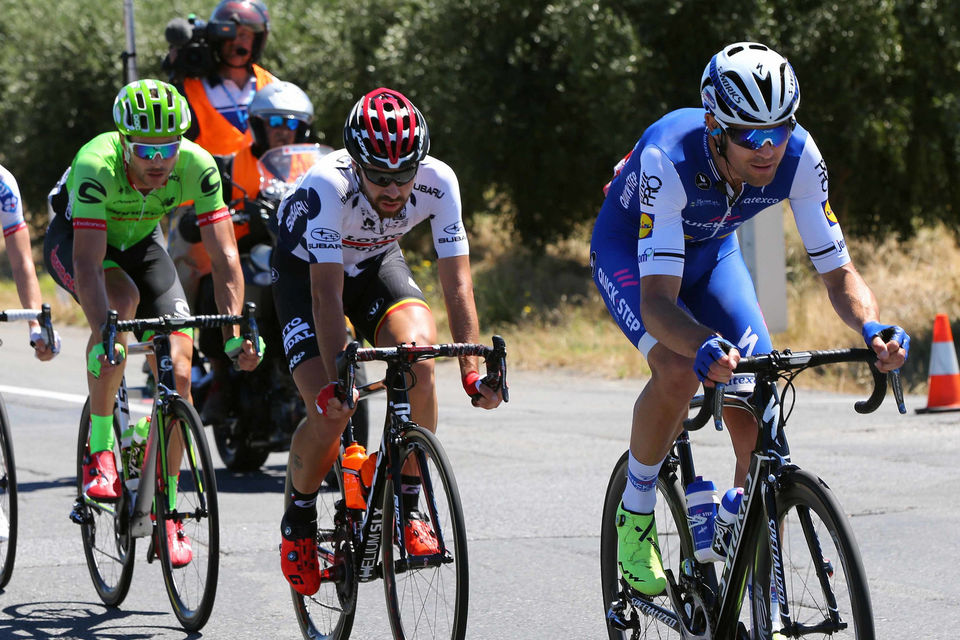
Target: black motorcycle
262 408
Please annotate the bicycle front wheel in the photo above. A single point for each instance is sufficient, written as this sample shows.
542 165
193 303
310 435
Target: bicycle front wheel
187 531
426 588
824 584
8 500
328 614
623 617
104 526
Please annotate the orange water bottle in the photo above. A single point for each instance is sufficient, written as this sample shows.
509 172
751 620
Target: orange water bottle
353 458
366 472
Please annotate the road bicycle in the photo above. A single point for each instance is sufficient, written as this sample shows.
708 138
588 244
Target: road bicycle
793 568
8 466
426 594
173 487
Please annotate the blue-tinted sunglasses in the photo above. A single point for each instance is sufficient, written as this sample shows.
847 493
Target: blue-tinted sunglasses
754 139
151 151
384 178
279 121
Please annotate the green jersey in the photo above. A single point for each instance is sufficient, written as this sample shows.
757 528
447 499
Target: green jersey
101 196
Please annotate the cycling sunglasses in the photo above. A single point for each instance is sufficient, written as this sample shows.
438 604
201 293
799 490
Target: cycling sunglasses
151 151
384 178
754 139
279 121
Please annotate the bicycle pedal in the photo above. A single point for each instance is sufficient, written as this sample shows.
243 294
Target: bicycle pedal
151 552
79 514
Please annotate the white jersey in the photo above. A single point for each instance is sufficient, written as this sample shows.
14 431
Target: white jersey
11 205
327 219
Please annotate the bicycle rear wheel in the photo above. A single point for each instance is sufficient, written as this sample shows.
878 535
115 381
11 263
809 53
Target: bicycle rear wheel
825 586
328 614
637 614
107 545
190 504
426 594
8 500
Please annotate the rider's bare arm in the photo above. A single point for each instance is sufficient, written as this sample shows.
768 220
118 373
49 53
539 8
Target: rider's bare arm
673 327
326 289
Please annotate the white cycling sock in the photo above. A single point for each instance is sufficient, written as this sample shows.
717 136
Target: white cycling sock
640 494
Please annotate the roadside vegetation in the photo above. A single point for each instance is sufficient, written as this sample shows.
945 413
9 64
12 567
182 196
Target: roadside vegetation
543 302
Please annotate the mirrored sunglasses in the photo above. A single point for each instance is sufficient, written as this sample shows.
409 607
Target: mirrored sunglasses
754 139
151 151
279 121
384 178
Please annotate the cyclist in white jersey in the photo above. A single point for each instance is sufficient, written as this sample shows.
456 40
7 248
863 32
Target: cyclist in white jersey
337 254
16 237
665 258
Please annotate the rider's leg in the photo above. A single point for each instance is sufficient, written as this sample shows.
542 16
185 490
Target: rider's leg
316 443
313 450
122 296
412 321
743 434
657 417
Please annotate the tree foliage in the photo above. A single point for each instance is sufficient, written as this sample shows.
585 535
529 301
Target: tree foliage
533 102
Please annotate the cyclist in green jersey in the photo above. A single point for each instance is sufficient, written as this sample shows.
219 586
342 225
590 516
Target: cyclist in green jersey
105 246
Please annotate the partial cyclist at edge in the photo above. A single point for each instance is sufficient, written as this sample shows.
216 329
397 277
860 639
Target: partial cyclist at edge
16 238
105 247
219 96
339 232
280 114
667 262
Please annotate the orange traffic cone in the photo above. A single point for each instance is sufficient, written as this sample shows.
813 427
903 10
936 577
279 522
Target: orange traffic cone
944 391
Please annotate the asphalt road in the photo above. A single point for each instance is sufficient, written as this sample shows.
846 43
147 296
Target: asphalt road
532 476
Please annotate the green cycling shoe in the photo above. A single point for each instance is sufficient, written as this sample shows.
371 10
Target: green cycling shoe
638 552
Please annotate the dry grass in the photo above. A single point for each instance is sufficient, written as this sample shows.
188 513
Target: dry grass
545 305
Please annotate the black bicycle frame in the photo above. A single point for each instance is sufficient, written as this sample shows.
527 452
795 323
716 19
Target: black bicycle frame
398 416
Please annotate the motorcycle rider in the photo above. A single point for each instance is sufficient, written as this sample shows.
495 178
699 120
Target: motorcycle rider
280 114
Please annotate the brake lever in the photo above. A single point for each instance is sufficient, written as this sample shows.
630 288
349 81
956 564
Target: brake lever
897 385
47 324
717 409
109 334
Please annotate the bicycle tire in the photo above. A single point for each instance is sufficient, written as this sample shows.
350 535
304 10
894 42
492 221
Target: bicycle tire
8 499
800 497
107 545
191 588
329 613
429 601
675 546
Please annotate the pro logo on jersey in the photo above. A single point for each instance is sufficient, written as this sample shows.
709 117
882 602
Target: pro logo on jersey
646 225
702 181
827 211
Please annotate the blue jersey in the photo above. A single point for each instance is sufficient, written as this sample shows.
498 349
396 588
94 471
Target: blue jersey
668 212
668 195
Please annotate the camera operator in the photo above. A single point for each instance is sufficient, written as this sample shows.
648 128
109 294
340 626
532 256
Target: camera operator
214 63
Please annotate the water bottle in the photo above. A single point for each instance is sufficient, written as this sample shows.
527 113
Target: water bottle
701 514
366 473
353 458
133 442
726 517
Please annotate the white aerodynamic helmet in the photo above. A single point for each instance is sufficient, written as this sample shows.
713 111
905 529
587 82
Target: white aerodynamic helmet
751 85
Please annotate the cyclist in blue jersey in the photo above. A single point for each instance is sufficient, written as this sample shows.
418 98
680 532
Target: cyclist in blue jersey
666 260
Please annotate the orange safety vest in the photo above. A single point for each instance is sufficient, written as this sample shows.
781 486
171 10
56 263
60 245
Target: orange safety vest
217 135
246 179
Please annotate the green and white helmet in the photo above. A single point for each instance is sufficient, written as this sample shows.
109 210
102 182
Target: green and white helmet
151 108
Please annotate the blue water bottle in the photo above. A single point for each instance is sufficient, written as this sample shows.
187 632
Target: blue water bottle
701 515
726 517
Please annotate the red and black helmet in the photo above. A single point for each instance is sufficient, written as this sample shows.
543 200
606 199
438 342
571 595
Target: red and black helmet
385 131
249 13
